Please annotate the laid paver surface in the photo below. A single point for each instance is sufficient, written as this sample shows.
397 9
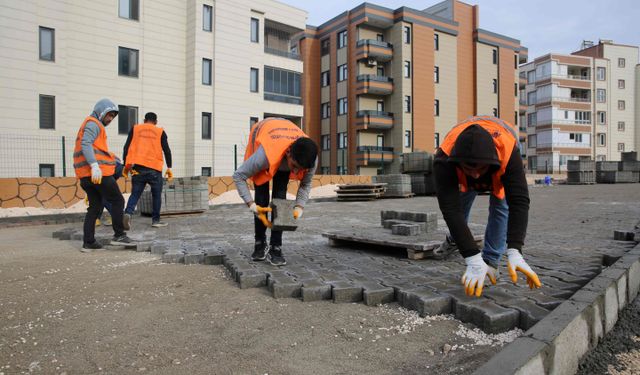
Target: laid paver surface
570 238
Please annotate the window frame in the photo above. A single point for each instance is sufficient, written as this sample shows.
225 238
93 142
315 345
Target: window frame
206 19
601 139
42 167
601 73
325 46
206 171
252 121
621 84
620 149
131 8
602 117
42 97
622 105
342 39
406 107
52 31
205 62
206 133
407 138
622 62
325 78
121 67
436 42
254 77
343 106
494 56
621 126
406 69
124 117
601 98
254 30
342 73
406 34
494 84
325 110
436 107
325 142
436 74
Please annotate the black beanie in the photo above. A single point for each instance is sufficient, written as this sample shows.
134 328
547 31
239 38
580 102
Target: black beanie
474 145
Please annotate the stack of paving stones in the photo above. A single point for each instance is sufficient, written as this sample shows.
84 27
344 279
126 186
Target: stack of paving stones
581 172
405 223
317 271
419 165
398 185
360 192
182 195
613 172
630 163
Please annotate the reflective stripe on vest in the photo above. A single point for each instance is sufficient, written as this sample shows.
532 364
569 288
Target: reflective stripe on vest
504 147
105 159
146 147
275 135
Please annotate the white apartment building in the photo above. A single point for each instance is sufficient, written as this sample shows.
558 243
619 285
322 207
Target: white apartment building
583 104
207 68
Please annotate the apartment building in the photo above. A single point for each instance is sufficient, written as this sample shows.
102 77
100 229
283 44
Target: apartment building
582 104
209 69
380 82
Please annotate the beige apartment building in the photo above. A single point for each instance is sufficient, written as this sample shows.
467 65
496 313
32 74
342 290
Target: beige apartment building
380 82
207 68
583 104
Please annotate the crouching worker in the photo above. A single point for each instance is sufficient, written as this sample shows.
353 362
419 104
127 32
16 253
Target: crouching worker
481 154
277 150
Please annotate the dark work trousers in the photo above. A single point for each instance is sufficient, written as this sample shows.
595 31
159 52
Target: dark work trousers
116 176
108 190
138 183
280 182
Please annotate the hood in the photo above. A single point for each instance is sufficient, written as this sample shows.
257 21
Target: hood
102 107
474 145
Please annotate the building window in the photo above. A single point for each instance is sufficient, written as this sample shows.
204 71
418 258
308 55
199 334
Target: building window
324 46
515 117
342 140
620 126
602 139
515 89
621 63
407 69
494 84
380 106
601 73
576 137
495 112
601 95
207 17
407 138
380 37
602 118
253 121
127 117
253 84
495 56
380 140
342 106
342 39
621 147
621 84
436 107
47 112
127 62
532 141
206 72
342 72
47 44
205 171
436 42
407 35
532 119
531 98
533 163
566 114
407 103
582 117
129 9
436 74
47 170
621 105
282 85
325 110
380 71
255 30
515 61
436 140
324 78
531 76
206 125
325 142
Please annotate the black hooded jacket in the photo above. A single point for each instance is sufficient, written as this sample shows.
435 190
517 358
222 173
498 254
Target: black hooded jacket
448 192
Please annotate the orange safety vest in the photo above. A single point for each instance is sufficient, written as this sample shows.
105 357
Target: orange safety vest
146 147
275 135
504 137
106 160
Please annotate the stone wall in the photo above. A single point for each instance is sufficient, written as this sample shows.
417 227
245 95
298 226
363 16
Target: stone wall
62 192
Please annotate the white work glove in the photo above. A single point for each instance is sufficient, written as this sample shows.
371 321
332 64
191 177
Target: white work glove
96 174
473 278
515 262
297 212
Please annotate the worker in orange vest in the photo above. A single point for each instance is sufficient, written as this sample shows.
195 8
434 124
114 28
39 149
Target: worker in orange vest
482 154
143 159
95 166
277 150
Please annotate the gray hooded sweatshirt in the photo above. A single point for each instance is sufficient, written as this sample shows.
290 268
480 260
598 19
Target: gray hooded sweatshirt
92 130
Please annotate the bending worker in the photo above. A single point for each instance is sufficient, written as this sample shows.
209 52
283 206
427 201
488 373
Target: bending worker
277 150
143 159
481 154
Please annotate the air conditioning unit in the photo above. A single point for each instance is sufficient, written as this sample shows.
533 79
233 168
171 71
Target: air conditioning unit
371 62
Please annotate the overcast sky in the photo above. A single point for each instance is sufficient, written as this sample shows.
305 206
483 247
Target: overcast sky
543 26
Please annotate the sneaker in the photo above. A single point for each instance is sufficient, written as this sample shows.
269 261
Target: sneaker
159 224
89 247
445 249
126 222
122 240
260 251
275 256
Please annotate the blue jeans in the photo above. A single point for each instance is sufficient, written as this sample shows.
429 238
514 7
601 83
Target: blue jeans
495 235
138 183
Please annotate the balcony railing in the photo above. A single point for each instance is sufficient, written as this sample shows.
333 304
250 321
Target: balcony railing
366 155
563 76
374 114
278 52
282 98
378 120
374 149
373 77
564 121
564 145
373 84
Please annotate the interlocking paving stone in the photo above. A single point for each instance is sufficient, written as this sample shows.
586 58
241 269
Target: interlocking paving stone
315 290
346 291
377 294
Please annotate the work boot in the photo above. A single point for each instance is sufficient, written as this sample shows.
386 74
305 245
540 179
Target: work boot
260 250
447 247
89 247
122 240
275 256
159 224
126 221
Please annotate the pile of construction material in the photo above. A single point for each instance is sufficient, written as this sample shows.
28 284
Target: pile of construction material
419 165
405 223
181 195
614 172
397 185
360 192
581 172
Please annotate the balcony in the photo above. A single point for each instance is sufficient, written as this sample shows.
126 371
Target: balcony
277 39
374 120
373 155
373 49
374 85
